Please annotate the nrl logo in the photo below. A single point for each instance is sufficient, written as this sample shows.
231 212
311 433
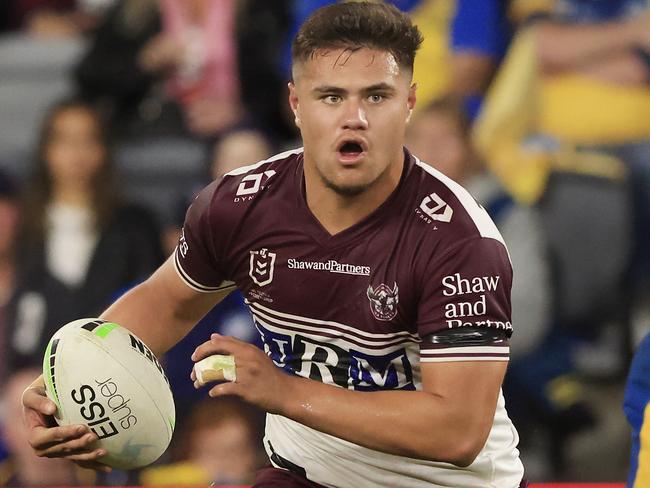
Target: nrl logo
261 266
383 301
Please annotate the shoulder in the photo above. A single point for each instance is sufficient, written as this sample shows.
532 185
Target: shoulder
229 197
248 180
449 207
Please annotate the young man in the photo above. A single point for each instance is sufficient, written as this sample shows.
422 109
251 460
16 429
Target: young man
380 288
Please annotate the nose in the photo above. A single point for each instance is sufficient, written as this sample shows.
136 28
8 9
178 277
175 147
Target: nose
354 116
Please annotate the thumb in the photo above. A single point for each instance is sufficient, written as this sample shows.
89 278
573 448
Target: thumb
34 398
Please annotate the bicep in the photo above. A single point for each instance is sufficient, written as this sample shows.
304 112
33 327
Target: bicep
470 388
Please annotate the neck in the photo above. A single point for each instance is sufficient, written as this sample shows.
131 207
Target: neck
337 212
72 195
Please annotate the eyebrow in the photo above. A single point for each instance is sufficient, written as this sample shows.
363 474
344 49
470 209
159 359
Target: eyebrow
335 90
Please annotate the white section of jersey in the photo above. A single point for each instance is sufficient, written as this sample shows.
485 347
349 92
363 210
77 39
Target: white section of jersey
251 167
337 463
481 219
334 462
187 279
297 320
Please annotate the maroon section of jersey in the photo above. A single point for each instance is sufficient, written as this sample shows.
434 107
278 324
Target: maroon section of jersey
426 260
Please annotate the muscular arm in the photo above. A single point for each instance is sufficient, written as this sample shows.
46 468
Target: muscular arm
625 68
162 310
562 47
448 421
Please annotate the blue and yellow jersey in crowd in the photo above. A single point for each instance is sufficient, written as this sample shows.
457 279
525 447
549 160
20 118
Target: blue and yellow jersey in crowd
532 120
637 410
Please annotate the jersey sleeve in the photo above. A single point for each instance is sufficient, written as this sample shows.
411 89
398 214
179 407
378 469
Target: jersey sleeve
196 258
468 286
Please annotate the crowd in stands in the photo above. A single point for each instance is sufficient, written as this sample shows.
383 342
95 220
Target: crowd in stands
114 113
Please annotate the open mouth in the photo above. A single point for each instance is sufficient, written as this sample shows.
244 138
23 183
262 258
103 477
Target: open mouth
350 150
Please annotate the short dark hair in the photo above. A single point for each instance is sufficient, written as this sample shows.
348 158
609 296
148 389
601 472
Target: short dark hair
355 25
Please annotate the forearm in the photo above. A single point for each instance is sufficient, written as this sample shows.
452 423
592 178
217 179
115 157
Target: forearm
407 423
624 69
567 47
142 312
161 310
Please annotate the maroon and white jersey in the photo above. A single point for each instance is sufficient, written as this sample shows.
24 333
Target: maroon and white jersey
352 309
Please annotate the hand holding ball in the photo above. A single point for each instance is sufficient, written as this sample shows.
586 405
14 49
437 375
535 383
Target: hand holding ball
101 375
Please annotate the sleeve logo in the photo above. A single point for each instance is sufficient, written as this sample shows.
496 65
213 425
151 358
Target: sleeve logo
261 266
436 208
251 184
182 244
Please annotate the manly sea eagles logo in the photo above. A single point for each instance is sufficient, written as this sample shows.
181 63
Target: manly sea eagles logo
383 301
261 269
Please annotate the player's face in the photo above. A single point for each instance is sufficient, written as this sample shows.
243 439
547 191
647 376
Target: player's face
352 109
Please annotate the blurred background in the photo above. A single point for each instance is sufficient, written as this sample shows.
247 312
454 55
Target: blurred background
114 113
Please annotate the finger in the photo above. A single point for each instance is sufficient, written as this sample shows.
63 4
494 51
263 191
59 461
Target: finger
44 437
35 399
94 465
64 449
218 345
193 375
94 455
225 389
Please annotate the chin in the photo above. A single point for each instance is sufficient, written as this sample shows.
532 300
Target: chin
346 189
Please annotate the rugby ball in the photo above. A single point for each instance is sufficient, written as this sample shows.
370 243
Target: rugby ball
101 375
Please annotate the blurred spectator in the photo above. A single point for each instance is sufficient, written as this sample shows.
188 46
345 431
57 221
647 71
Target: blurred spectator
197 49
595 60
80 245
108 73
564 126
637 411
219 445
218 60
24 468
479 37
8 230
575 75
239 148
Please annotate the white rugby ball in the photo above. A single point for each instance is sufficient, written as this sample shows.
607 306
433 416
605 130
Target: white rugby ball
101 375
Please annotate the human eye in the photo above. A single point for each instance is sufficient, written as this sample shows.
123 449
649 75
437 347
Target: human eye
331 99
376 98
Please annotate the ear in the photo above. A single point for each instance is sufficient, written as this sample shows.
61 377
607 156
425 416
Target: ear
410 101
293 102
